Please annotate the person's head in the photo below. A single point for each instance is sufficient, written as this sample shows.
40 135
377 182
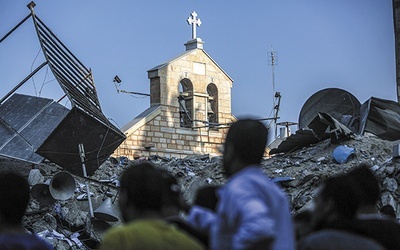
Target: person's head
368 183
141 190
172 198
14 198
244 145
337 199
206 196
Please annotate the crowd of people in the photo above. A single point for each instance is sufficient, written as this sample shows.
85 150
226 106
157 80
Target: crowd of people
248 212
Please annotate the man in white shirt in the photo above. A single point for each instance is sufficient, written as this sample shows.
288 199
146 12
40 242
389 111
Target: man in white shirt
252 211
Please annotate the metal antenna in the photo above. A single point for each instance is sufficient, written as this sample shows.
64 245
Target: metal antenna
273 60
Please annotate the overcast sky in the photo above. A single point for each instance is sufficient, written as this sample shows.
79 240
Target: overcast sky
320 44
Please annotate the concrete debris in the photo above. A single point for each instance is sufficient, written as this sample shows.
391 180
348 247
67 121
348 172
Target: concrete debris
35 177
390 184
66 224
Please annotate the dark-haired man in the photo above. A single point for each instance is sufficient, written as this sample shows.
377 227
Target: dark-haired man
335 207
141 200
14 199
369 221
252 212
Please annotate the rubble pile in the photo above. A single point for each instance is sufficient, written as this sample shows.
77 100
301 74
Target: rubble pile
66 223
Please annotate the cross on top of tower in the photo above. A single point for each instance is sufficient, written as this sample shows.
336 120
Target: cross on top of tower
193 20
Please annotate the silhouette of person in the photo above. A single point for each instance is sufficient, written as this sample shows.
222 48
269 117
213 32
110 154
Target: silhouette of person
370 190
335 206
252 212
370 222
141 199
206 196
174 207
14 199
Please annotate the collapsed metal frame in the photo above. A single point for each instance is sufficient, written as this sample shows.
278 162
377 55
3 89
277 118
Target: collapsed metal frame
77 82
74 78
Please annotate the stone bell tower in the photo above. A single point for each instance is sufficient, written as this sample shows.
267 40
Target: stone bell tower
190 106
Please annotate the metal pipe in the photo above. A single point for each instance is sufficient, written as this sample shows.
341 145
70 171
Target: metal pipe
16 27
72 75
50 43
59 41
22 82
82 154
55 53
134 93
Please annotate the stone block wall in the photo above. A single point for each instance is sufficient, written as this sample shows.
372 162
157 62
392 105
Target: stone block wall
164 82
164 137
161 134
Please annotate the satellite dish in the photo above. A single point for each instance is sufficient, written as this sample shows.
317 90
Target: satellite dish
340 104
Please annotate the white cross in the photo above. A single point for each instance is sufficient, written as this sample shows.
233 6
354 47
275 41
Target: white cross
192 20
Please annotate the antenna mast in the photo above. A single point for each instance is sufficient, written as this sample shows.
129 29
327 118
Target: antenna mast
273 60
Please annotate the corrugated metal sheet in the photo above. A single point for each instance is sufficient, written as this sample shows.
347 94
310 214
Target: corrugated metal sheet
381 117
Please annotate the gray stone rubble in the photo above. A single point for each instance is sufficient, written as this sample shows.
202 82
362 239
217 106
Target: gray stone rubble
65 224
